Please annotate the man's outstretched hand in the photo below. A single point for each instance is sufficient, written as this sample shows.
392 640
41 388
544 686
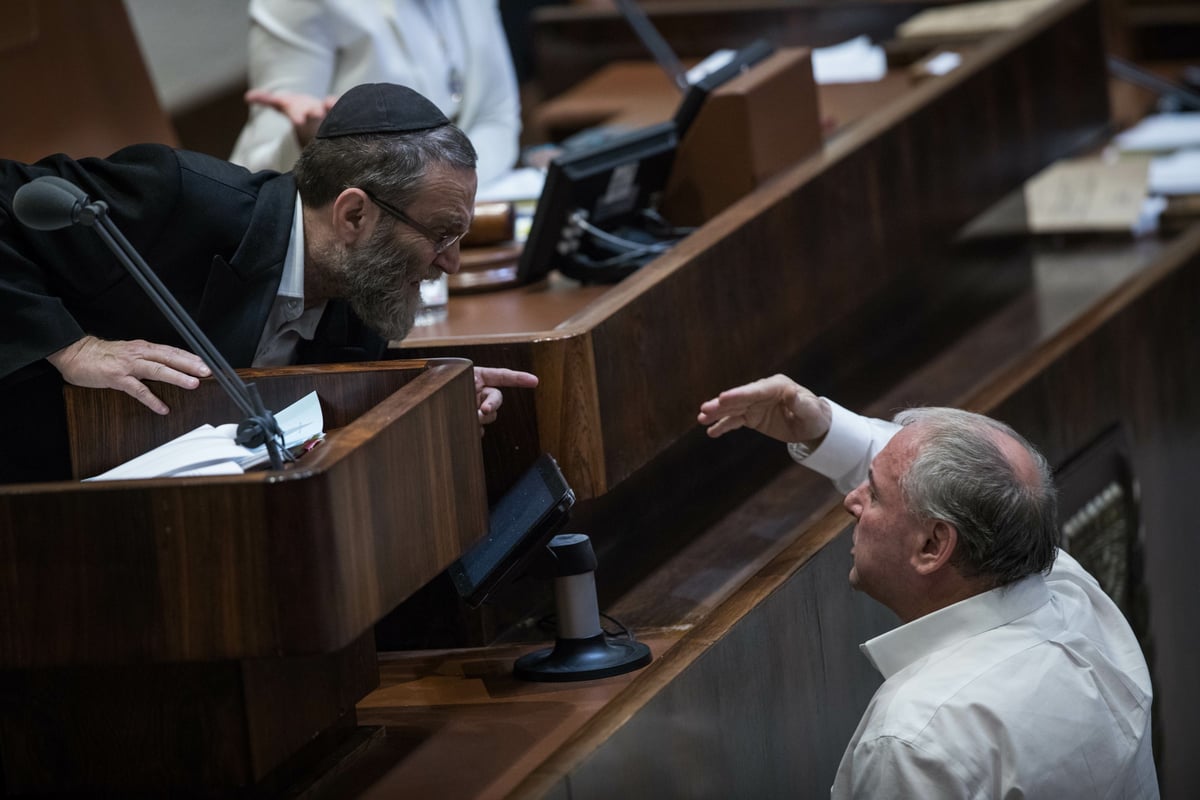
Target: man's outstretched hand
776 406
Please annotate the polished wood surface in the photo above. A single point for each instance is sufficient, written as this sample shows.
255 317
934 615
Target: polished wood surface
623 95
739 581
757 682
633 94
749 129
220 626
572 43
860 223
251 565
1060 375
179 729
74 81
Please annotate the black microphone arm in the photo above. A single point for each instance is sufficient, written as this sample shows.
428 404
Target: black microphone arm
49 203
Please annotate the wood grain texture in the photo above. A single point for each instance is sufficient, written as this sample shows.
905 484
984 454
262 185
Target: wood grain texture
763 711
54 51
261 564
855 224
1134 360
175 729
221 628
765 669
751 697
572 42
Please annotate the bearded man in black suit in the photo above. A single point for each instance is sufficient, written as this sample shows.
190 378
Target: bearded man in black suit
318 265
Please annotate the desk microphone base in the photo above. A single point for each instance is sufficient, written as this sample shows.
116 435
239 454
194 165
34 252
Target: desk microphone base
582 660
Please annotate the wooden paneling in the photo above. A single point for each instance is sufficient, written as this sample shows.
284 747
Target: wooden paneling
766 705
74 82
192 726
571 43
1135 361
764 712
222 627
760 686
857 223
257 564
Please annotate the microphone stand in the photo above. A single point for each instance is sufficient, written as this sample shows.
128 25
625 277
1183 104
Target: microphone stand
260 426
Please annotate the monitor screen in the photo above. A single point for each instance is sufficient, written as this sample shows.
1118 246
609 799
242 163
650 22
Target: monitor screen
604 189
524 519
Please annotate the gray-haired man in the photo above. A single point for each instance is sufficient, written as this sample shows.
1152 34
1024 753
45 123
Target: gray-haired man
1012 673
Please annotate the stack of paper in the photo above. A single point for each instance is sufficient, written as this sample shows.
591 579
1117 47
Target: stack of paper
1089 194
853 61
210 450
1160 133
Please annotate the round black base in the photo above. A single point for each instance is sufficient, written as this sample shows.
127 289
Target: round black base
582 660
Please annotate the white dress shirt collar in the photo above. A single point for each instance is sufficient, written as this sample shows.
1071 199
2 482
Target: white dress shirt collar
925 636
288 321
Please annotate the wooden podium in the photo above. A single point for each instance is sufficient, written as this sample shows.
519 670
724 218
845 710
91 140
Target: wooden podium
213 634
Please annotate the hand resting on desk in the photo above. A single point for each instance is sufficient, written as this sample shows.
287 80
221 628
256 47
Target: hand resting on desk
123 366
100 364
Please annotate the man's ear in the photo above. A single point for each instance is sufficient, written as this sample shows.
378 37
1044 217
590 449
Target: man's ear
939 539
353 216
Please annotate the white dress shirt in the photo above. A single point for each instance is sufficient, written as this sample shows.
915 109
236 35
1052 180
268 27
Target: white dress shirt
288 321
1037 689
324 47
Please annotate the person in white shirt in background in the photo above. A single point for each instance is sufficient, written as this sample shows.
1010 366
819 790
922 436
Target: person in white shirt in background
305 53
1012 675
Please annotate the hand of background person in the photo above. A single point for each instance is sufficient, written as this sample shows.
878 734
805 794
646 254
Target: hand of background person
487 391
102 364
305 111
776 406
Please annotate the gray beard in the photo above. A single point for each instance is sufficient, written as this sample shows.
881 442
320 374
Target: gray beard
377 280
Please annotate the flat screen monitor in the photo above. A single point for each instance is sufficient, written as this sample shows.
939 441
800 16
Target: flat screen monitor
595 193
521 523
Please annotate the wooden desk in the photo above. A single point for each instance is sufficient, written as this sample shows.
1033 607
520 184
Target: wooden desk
757 682
195 634
850 231
573 43
634 94
734 566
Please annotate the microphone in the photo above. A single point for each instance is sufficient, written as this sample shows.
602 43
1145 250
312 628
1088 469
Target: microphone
50 203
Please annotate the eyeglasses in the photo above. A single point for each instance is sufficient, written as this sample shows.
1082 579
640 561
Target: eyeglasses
440 243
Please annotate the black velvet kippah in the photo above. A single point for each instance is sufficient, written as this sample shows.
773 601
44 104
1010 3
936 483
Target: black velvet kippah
380 108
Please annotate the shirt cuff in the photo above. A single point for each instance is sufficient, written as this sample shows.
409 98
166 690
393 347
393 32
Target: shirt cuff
846 448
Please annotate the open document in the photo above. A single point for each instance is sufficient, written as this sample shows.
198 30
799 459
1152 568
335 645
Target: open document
210 450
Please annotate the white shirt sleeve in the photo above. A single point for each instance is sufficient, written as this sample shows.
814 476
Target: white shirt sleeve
302 46
888 768
491 114
851 443
291 49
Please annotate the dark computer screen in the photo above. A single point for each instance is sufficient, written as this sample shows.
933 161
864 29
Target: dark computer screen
587 223
595 219
524 519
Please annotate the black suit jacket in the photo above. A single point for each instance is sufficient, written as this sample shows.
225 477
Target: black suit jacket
214 233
